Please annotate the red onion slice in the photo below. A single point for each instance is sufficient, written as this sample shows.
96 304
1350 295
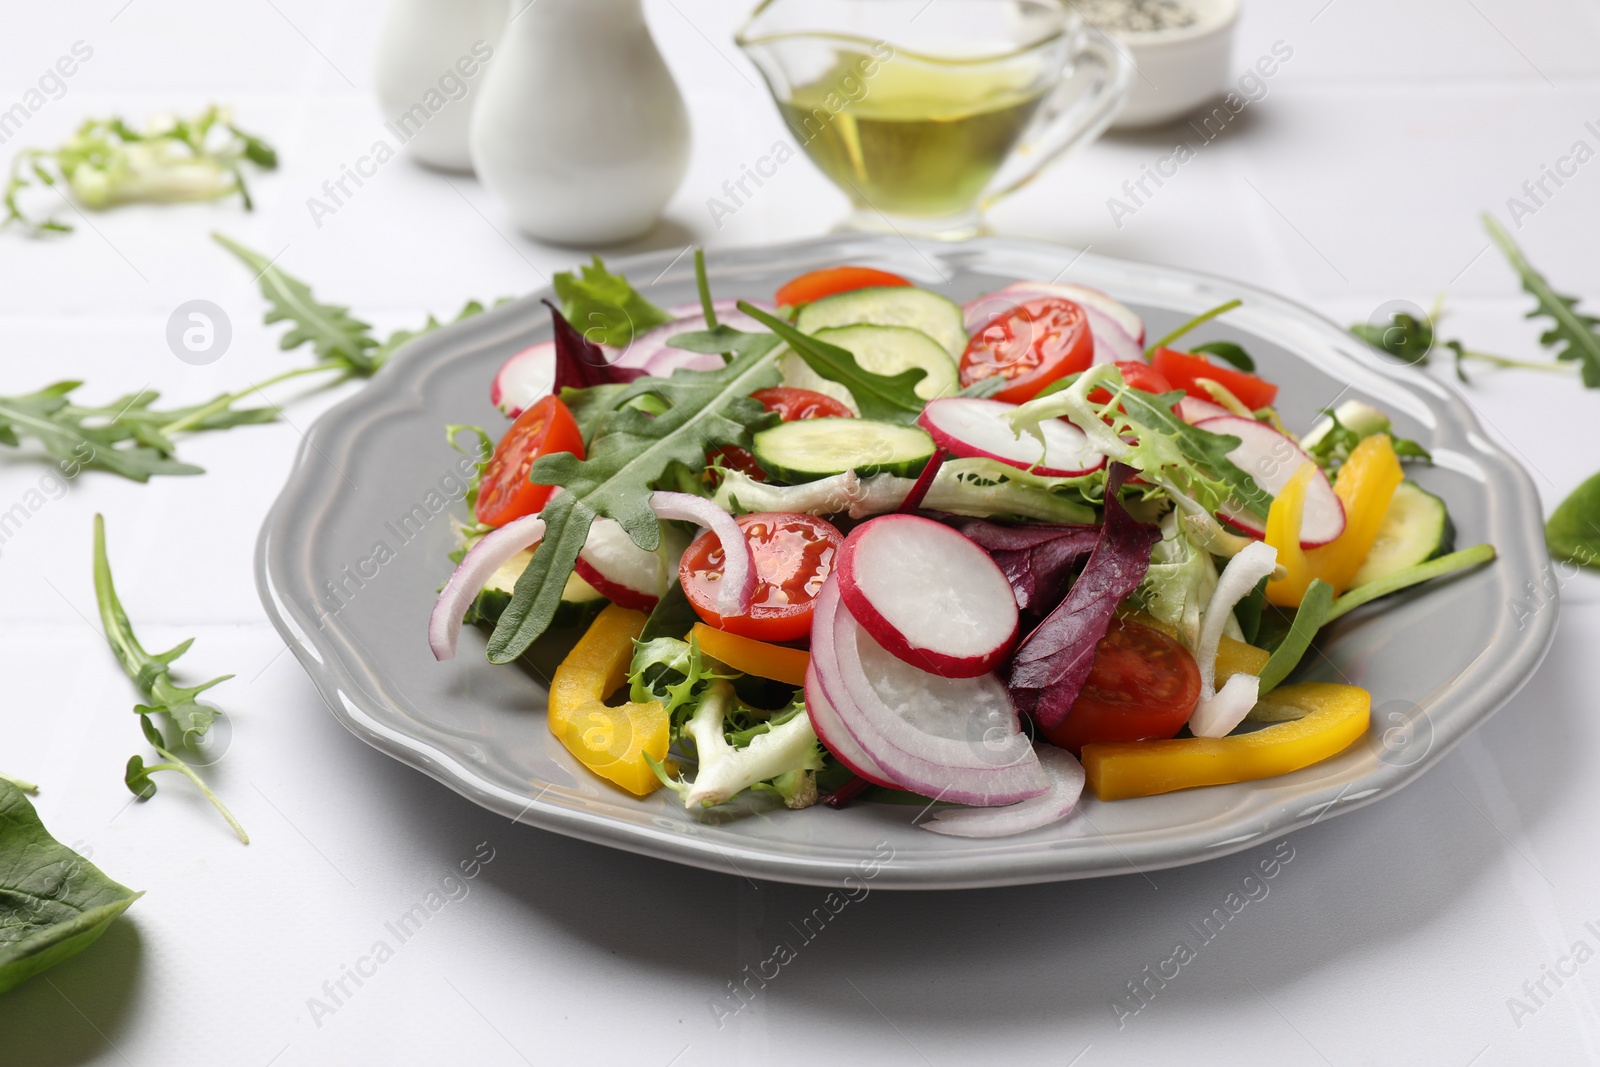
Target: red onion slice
836 737
950 739
475 570
1066 787
739 565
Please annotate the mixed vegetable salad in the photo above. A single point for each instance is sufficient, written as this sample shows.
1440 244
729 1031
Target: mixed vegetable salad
867 538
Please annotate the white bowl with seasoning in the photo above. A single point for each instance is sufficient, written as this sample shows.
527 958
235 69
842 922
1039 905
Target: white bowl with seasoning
1182 49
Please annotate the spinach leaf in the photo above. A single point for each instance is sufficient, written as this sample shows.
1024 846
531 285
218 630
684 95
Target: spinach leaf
1316 608
53 902
1573 532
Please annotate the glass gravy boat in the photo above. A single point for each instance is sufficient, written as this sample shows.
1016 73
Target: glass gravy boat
924 112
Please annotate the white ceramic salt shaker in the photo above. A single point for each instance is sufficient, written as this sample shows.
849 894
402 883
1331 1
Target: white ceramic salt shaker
433 56
581 131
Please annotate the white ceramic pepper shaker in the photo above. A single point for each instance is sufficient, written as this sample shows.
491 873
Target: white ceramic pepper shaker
581 131
432 59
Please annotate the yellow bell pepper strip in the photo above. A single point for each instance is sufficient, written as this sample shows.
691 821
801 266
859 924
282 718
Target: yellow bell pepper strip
613 742
1365 485
1336 716
749 656
1283 534
1236 657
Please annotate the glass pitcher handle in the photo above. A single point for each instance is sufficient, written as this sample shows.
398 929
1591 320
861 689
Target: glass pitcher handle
1071 114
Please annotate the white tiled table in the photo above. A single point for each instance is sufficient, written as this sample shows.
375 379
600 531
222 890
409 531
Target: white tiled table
1395 935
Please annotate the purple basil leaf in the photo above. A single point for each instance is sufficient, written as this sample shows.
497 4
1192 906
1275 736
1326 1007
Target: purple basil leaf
1037 560
580 363
1050 667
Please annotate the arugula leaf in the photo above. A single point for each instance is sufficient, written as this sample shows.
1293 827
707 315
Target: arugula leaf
607 309
53 902
878 396
724 340
381 354
633 449
1194 460
1331 446
1229 353
152 674
106 163
1573 532
1316 609
336 336
1571 330
1199 320
1407 338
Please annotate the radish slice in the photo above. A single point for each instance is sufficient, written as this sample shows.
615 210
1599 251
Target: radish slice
1066 786
479 564
738 564
687 318
928 594
836 737
1272 459
624 573
951 739
1193 410
525 378
970 427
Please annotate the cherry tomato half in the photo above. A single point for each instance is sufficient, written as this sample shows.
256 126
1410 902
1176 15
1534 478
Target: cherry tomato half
737 459
1139 375
1031 346
794 555
505 492
1185 370
1143 686
792 405
809 288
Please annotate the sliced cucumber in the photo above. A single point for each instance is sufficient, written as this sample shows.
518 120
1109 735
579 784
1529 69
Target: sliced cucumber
902 305
1415 529
809 449
578 597
885 350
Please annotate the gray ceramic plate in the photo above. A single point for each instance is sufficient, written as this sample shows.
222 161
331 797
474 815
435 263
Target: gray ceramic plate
352 553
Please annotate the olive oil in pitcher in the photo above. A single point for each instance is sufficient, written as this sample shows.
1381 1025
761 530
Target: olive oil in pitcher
914 139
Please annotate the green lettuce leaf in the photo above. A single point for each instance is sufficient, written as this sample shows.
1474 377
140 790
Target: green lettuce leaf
604 307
